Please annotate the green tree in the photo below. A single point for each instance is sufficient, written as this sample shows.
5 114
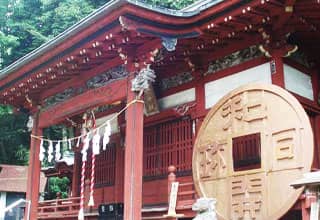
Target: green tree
57 185
14 137
171 4
58 15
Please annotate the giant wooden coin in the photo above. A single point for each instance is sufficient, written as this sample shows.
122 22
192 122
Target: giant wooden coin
252 144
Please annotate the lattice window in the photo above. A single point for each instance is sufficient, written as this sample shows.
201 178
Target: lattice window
166 144
105 166
246 152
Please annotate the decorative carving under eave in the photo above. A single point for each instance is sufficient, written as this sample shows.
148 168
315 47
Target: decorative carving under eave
183 109
104 108
150 102
59 97
176 80
143 79
276 44
107 77
160 55
234 59
30 123
169 43
302 59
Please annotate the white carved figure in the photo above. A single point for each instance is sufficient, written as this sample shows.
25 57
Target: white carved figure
30 123
143 79
205 208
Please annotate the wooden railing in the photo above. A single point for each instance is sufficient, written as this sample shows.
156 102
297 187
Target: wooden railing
58 208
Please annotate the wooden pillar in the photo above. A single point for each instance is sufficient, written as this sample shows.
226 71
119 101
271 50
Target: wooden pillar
33 181
133 156
316 134
200 96
277 69
304 211
119 169
118 192
76 174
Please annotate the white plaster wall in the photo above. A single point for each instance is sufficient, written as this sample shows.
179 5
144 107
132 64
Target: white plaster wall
215 90
178 98
298 82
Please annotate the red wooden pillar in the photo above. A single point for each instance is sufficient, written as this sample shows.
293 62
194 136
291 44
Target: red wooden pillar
304 211
119 168
133 156
277 69
200 96
76 174
316 157
33 181
200 100
316 92
118 192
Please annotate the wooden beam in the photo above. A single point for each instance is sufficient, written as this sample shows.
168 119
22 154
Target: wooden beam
107 94
76 174
285 13
77 81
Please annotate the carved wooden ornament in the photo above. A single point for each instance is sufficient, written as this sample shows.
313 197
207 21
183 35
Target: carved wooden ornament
252 144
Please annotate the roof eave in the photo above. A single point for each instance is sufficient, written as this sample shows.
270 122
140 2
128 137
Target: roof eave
76 28
193 10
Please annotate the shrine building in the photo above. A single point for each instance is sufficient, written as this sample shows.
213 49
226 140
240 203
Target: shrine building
217 100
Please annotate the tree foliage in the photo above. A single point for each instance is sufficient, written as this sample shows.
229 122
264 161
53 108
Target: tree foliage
14 137
171 4
57 185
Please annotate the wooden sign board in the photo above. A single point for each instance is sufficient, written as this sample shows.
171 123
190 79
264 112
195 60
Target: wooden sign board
252 144
173 201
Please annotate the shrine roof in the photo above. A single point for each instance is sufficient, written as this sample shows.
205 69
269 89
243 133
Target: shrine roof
189 11
205 31
13 178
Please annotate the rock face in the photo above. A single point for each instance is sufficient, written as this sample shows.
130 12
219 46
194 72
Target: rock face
205 208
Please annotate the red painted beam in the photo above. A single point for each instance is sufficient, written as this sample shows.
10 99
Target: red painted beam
107 94
78 81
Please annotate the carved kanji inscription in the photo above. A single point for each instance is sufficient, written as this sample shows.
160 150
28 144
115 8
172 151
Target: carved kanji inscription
240 109
212 160
246 177
284 144
246 192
